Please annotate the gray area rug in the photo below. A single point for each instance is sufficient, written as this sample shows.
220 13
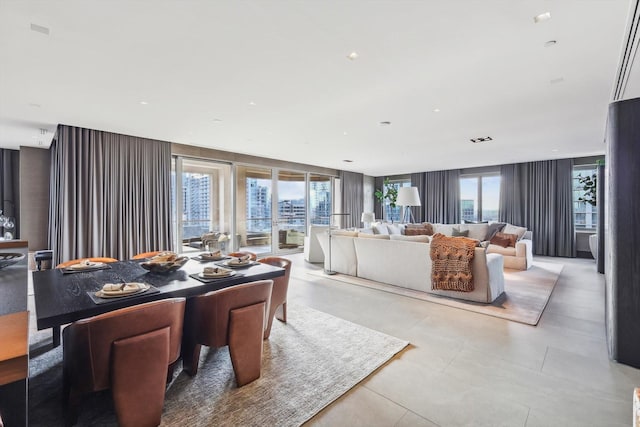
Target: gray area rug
307 364
526 293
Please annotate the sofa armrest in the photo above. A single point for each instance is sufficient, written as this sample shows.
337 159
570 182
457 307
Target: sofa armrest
495 267
524 249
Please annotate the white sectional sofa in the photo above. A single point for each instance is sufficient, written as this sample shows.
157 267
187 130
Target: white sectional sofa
519 257
397 261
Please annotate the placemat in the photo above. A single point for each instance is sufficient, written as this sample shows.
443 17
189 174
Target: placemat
213 279
97 300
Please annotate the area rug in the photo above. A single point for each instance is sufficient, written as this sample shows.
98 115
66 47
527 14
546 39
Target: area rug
525 297
307 363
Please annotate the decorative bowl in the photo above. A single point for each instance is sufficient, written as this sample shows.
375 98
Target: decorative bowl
165 267
6 259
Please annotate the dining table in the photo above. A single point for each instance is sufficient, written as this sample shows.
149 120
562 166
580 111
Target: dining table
63 296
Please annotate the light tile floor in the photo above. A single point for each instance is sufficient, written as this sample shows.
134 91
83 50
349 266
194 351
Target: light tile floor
468 369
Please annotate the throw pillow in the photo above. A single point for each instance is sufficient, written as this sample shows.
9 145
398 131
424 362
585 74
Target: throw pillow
415 231
429 227
494 227
380 229
512 229
393 229
504 239
456 232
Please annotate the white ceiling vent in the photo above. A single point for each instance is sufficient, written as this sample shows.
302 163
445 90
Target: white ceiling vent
481 139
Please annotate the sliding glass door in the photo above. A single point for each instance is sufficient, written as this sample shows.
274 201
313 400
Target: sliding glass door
254 195
268 213
291 208
203 204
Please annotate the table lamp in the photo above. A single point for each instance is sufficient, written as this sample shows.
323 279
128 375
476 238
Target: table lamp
367 218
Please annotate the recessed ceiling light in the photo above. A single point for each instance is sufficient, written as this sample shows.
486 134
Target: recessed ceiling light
345 133
40 29
542 17
555 150
550 43
352 56
385 123
253 104
144 103
481 139
436 110
348 161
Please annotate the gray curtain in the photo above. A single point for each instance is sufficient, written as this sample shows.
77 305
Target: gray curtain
417 180
9 188
352 189
377 204
110 195
539 196
441 202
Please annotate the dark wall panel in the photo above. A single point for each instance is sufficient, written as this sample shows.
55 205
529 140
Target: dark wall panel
622 245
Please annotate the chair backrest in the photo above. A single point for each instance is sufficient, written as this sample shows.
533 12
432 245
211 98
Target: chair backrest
211 310
244 253
147 254
282 263
88 342
76 261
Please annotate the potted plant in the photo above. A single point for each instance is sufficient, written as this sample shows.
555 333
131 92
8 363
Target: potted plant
589 185
388 192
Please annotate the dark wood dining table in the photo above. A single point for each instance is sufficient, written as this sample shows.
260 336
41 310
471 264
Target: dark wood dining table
62 298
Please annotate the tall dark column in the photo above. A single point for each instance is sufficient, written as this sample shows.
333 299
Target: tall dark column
622 246
600 191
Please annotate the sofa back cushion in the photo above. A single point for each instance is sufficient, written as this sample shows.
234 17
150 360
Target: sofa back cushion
446 229
476 231
417 238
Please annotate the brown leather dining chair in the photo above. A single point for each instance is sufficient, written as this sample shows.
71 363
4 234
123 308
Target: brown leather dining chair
145 255
128 351
233 316
279 293
243 253
94 259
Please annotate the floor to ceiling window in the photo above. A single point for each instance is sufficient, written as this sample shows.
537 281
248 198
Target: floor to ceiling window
394 214
319 199
585 211
479 197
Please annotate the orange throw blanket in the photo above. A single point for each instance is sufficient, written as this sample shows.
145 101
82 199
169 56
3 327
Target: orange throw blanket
451 259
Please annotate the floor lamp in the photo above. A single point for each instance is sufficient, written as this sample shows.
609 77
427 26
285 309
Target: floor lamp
407 197
330 271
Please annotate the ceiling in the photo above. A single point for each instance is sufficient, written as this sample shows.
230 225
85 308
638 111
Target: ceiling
273 78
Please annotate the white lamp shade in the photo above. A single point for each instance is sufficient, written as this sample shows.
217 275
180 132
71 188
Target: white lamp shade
367 217
408 196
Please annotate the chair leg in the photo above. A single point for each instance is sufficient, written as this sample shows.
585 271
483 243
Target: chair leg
55 331
191 358
246 330
138 377
281 312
